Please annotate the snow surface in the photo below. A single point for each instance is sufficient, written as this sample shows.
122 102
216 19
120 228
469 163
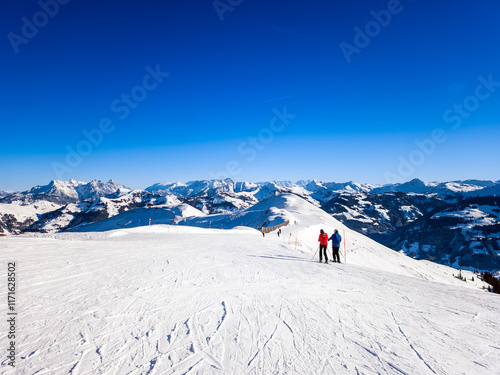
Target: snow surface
178 299
27 211
22 212
161 214
276 210
173 299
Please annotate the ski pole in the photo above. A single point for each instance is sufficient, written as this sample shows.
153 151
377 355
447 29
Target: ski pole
315 253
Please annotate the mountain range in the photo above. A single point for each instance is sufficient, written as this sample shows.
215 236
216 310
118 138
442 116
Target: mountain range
454 223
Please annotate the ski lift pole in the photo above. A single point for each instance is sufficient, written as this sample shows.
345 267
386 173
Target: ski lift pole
345 253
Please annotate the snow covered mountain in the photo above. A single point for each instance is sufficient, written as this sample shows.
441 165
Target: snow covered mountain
90 211
379 214
17 216
5 193
403 218
222 196
269 212
462 235
29 210
210 196
486 191
313 185
395 215
203 187
65 190
73 191
179 299
443 189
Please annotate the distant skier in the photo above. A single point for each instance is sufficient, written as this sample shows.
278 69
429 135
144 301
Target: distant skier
336 238
323 245
263 233
279 232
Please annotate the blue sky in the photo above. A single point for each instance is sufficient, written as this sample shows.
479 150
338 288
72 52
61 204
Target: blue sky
254 91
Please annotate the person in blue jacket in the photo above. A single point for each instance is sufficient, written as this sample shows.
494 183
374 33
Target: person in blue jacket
336 238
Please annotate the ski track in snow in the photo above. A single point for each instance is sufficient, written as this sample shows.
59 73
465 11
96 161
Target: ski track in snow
234 303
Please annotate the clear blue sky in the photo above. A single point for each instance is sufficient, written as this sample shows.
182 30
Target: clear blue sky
232 72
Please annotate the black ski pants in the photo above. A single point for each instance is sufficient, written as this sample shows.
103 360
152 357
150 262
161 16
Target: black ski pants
335 254
322 251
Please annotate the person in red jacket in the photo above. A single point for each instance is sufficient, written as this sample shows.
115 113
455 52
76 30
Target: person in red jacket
323 245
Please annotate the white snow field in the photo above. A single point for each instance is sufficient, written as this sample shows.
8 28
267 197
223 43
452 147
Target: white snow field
167 299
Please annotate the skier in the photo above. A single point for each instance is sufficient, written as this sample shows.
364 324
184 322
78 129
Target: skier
323 244
336 238
279 232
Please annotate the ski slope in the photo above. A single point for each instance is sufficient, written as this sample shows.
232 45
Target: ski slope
185 300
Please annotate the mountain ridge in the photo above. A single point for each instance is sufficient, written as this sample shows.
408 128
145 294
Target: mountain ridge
386 214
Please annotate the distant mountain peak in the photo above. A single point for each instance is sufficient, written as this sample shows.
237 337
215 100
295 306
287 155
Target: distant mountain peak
416 182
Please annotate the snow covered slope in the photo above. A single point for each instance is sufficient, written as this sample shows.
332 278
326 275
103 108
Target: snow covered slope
266 213
101 209
305 222
178 300
387 217
17 216
360 250
163 214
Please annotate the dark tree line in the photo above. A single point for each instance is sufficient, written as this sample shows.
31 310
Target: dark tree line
493 281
